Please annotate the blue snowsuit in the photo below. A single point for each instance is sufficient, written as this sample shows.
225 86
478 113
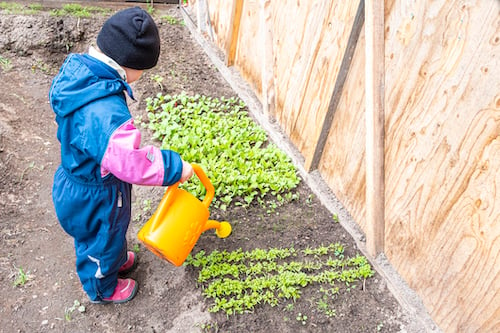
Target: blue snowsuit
90 104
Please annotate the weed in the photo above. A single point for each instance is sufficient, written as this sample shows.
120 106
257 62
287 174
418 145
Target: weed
76 306
325 307
146 205
150 7
136 248
5 63
302 318
137 217
40 66
78 10
209 327
158 79
16 8
31 166
310 199
21 277
172 20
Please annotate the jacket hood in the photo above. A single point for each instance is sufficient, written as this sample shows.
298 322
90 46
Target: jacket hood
81 80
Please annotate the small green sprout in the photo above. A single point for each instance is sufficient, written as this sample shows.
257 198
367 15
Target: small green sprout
5 63
171 20
302 318
158 79
76 306
21 277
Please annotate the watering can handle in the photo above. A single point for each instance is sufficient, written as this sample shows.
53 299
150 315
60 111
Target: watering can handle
169 194
206 182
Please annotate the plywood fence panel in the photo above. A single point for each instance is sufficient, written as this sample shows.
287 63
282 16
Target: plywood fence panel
250 50
309 42
342 165
442 108
218 15
443 157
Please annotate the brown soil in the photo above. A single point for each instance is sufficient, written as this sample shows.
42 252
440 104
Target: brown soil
169 299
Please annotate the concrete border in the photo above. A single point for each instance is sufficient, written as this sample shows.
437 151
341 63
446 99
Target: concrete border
411 303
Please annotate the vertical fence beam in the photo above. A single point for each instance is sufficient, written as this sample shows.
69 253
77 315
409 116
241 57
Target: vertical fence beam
201 12
313 163
234 29
375 132
267 73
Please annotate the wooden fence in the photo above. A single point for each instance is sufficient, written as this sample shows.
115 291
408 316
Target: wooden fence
397 105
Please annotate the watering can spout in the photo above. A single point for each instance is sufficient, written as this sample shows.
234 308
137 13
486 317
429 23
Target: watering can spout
222 229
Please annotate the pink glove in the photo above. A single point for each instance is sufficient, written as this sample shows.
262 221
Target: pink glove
187 171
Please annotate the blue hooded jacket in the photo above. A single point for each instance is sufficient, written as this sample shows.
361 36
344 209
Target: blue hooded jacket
88 99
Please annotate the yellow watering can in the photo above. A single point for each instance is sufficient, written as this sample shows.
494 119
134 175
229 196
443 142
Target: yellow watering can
179 220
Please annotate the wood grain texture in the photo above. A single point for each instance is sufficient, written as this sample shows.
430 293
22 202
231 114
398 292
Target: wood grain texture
442 124
250 52
233 33
308 55
443 157
220 14
342 165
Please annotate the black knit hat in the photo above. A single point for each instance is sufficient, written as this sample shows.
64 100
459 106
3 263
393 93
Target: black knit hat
130 37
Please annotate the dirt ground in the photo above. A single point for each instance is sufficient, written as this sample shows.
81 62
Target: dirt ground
168 299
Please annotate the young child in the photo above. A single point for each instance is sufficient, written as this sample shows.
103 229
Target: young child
100 152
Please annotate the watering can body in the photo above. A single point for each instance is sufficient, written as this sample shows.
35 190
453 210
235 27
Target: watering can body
179 220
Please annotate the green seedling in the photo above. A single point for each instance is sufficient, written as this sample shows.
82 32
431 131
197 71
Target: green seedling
40 66
236 155
158 79
146 205
136 248
171 20
31 166
16 8
5 63
302 318
324 307
76 306
209 327
21 278
137 217
150 7
78 10
238 281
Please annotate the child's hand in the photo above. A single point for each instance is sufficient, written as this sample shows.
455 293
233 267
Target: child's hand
187 171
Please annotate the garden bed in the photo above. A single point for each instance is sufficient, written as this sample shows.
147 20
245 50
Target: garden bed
37 264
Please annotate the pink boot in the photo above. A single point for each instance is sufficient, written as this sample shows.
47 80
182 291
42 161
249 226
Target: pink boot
129 265
125 290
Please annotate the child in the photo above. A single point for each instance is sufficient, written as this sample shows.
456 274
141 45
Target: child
100 152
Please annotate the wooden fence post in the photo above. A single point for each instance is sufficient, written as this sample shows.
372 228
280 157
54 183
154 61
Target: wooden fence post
234 28
375 133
